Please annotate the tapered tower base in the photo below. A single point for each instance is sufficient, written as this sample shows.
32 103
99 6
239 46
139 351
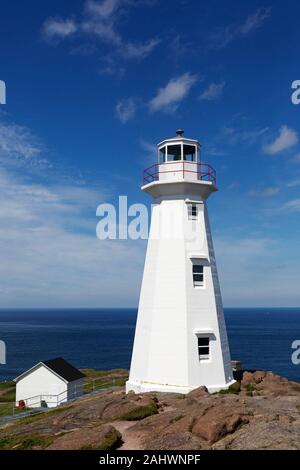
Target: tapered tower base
145 387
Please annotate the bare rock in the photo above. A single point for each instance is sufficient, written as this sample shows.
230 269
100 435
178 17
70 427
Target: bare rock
199 392
262 435
220 420
105 437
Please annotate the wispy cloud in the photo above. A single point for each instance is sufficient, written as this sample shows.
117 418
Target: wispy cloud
139 50
56 259
19 147
294 183
291 206
286 139
168 97
265 192
126 109
222 36
213 91
149 151
236 135
58 29
100 21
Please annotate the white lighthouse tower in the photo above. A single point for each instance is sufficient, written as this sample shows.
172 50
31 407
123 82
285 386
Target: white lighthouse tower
180 339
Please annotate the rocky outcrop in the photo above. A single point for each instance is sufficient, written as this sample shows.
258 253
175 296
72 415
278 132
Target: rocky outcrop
260 412
104 437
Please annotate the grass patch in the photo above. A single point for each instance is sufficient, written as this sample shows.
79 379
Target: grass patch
8 395
99 384
6 409
110 442
249 390
234 388
140 412
25 443
5 385
93 373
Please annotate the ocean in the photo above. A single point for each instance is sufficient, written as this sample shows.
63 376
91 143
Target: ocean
102 338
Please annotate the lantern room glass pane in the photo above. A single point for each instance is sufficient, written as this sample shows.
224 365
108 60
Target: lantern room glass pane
174 153
162 155
189 153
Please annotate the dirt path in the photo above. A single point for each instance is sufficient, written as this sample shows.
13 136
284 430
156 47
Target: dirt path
131 440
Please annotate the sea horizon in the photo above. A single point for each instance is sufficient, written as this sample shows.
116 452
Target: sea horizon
102 338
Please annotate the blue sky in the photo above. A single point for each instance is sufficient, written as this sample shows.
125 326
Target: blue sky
92 86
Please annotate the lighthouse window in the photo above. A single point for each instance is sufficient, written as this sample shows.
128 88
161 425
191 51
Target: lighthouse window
162 155
203 347
189 153
174 153
198 275
192 211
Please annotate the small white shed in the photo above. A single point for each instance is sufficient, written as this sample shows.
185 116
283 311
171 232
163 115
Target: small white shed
49 383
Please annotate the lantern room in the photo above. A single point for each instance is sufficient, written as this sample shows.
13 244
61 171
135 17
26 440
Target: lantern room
179 149
179 159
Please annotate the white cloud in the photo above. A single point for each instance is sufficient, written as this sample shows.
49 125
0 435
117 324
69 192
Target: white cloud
150 152
286 139
104 9
223 36
100 20
20 148
265 192
57 28
126 109
291 206
213 91
236 135
168 98
253 274
50 255
139 50
254 21
293 183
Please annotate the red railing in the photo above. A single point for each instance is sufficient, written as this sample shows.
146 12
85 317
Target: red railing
204 171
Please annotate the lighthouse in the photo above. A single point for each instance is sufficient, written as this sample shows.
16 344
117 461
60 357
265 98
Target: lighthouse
180 338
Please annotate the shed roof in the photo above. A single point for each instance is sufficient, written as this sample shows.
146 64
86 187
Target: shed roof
60 367
64 369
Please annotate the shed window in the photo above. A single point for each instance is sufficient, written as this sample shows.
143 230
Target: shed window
198 275
174 153
193 211
203 347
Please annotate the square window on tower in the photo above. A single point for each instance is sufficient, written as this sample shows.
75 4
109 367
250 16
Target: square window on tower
192 211
198 275
203 347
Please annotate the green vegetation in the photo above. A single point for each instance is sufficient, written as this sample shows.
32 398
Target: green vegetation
93 373
37 415
25 442
7 391
6 409
234 388
140 412
5 385
9 395
249 390
98 379
111 441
